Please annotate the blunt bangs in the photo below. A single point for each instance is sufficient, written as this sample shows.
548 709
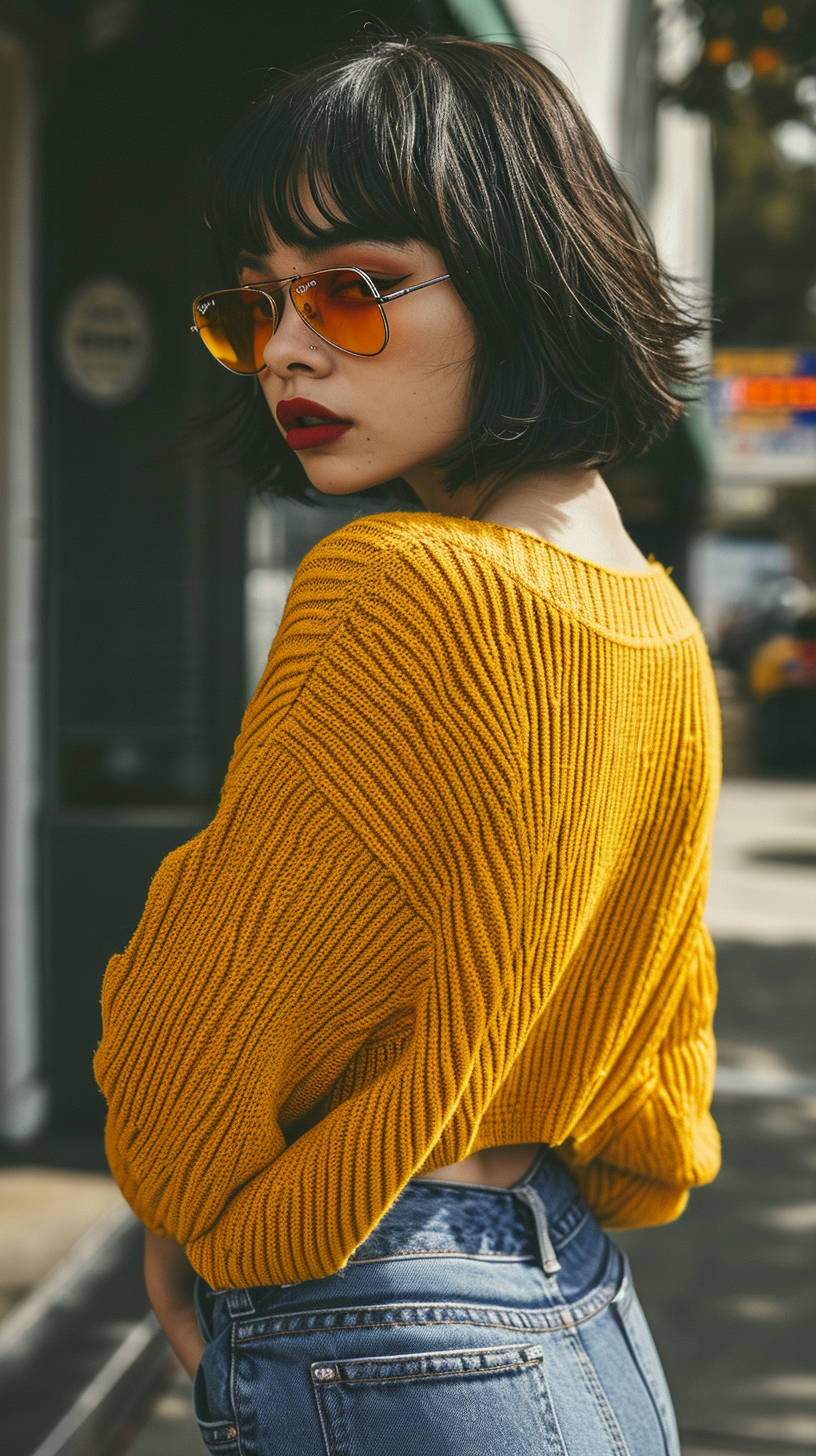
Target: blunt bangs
480 151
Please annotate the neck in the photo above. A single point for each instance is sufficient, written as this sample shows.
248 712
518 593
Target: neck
485 500
570 506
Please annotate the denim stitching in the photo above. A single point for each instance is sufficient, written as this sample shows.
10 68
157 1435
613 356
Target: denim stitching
564 1225
621 1305
233 1401
505 1357
562 1243
441 1374
440 1254
403 1254
494 1317
321 1414
549 1411
595 1388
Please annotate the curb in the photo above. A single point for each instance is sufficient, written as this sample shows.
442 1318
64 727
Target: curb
96 1414
62 1283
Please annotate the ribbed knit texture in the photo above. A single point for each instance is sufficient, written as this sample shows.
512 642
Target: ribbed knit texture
452 898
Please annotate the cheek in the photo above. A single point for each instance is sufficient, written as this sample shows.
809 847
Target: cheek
417 410
438 401
445 356
427 373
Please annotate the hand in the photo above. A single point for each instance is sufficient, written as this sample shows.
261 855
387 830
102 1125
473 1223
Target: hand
170 1277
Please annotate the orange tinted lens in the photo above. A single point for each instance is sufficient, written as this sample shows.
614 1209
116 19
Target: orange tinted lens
341 306
236 325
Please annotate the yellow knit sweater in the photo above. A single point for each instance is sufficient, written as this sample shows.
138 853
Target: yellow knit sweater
452 898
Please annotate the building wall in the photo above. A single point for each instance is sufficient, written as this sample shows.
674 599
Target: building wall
585 43
22 1097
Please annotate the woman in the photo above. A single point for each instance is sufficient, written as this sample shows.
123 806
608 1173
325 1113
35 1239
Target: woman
434 983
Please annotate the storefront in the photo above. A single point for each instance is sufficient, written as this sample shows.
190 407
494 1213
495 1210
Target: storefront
122 613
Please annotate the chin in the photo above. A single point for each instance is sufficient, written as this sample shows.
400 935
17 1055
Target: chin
342 482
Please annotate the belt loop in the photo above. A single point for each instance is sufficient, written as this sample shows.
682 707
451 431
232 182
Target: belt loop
239 1302
535 1203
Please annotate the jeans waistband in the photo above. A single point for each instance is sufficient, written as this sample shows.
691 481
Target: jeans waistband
531 1220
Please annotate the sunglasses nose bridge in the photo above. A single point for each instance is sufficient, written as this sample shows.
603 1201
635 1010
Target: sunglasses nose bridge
284 309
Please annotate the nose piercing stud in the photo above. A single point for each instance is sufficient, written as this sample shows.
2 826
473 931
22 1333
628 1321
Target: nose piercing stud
313 346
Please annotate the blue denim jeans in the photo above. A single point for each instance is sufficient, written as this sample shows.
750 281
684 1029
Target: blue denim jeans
473 1321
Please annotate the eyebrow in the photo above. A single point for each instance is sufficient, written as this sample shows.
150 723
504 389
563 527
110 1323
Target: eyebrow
314 245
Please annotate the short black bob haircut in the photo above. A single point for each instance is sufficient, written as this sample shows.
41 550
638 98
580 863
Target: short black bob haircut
482 152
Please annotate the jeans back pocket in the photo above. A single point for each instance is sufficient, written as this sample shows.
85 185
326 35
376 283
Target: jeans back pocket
464 1402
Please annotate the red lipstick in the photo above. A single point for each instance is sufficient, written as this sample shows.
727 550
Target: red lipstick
308 424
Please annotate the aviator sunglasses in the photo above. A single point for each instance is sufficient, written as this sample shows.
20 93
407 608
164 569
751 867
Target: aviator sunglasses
341 305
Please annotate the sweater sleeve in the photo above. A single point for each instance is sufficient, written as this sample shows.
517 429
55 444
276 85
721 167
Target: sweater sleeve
352 850
331 920
287 1222
637 1168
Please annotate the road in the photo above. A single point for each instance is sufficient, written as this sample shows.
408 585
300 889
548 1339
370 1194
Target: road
730 1289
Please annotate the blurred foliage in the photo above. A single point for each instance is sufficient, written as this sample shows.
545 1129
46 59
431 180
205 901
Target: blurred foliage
756 71
765 231
776 45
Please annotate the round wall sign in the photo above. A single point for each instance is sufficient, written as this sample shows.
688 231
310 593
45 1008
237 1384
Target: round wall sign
105 342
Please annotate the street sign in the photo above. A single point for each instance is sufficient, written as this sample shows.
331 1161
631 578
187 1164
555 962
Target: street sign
105 343
762 414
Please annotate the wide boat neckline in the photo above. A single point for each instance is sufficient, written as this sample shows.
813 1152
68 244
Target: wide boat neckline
652 569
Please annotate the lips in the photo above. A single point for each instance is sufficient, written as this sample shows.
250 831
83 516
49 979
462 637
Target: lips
308 424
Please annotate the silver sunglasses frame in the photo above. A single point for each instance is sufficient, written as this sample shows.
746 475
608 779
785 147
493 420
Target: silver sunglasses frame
379 298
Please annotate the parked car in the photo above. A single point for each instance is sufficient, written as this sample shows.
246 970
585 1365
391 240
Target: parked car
771 642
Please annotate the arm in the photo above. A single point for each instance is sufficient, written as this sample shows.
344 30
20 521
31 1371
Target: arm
248 968
169 1277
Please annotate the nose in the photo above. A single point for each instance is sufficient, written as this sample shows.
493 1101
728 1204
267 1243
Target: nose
294 347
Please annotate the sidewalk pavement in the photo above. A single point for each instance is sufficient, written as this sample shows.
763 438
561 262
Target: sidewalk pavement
43 1213
763 872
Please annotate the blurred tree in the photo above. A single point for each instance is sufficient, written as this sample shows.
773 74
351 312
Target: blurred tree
756 79
765 226
748 45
